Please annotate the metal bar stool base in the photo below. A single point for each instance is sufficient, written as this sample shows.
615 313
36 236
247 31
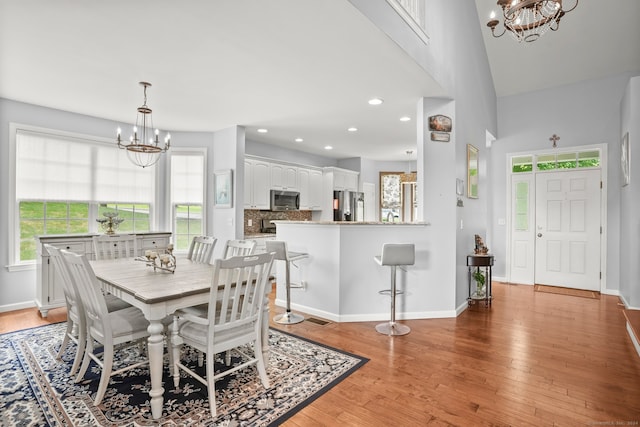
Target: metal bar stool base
392 329
288 318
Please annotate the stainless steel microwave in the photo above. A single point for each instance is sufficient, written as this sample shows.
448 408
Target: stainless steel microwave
285 200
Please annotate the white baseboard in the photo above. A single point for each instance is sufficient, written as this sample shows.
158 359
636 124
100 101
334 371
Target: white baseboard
18 306
373 317
636 344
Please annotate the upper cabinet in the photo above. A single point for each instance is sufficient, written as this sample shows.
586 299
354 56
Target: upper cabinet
310 187
343 179
284 177
257 184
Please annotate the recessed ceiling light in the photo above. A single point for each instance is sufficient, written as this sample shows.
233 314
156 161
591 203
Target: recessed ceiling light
299 139
328 147
375 101
405 118
353 129
262 131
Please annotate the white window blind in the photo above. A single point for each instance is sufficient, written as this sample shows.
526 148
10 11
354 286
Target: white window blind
187 178
52 167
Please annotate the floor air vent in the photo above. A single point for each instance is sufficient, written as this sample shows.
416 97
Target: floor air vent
316 321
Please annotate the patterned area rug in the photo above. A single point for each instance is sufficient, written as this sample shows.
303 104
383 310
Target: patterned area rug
36 389
567 291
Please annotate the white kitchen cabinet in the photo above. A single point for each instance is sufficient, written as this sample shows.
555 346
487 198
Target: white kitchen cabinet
49 293
310 187
284 177
345 180
257 184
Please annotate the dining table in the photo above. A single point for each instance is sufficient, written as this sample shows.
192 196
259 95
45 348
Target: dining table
160 293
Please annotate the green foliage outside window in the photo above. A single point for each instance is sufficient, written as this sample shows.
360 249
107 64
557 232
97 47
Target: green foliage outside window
39 218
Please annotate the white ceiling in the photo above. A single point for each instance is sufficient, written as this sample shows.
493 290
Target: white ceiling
299 68
596 39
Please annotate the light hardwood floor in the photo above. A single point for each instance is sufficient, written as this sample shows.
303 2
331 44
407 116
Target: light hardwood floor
533 358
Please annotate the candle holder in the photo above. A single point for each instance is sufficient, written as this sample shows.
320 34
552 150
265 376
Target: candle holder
110 222
160 261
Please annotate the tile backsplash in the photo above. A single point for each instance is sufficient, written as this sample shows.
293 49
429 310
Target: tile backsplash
256 215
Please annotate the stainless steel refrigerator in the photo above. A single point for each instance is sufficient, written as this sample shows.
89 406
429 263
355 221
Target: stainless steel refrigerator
348 206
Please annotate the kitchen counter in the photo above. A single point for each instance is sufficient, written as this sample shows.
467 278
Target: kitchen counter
350 223
342 280
250 236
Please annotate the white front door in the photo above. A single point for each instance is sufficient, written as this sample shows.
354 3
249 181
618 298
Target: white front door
568 229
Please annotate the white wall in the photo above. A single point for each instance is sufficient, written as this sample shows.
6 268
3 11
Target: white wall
630 199
456 58
581 114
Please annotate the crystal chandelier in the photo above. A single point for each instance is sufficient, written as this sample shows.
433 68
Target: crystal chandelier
143 148
527 20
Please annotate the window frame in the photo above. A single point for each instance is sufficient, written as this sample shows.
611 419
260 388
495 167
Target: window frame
13 206
171 205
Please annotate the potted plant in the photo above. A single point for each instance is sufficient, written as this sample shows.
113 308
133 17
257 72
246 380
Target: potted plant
480 279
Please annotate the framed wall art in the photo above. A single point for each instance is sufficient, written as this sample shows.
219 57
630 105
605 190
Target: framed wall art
472 172
625 159
223 187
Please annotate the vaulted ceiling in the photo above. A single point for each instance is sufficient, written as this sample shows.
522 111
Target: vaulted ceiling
298 68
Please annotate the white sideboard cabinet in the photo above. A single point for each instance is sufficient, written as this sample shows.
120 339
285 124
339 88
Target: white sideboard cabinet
49 292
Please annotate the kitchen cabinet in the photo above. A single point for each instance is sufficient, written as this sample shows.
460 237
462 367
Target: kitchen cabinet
310 187
344 180
49 293
257 183
284 177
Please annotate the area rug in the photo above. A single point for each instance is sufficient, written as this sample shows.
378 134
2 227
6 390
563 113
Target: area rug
567 291
36 389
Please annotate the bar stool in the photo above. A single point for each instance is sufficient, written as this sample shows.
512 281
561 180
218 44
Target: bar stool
393 255
281 253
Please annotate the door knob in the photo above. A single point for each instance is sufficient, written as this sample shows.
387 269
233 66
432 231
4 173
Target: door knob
539 234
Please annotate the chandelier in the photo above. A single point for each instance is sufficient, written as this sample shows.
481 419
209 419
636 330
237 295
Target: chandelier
528 19
144 148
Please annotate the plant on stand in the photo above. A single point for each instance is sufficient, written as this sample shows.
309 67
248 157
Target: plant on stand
480 279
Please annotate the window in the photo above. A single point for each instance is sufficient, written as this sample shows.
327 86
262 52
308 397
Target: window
63 182
522 164
187 196
521 211
553 161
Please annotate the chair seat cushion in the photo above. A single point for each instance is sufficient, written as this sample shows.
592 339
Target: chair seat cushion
197 334
128 321
114 303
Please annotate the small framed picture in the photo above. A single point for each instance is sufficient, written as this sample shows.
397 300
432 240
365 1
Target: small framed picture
440 123
223 188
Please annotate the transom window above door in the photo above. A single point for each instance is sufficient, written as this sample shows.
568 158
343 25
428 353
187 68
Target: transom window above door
556 161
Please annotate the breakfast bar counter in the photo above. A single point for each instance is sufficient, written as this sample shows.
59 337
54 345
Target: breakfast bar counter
340 280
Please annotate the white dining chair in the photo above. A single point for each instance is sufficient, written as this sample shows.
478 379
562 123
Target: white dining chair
201 249
76 325
238 248
114 246
108 329
231 248
233 320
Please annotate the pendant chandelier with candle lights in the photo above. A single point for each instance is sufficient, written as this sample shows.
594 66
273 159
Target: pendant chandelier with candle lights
528 20
144 147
